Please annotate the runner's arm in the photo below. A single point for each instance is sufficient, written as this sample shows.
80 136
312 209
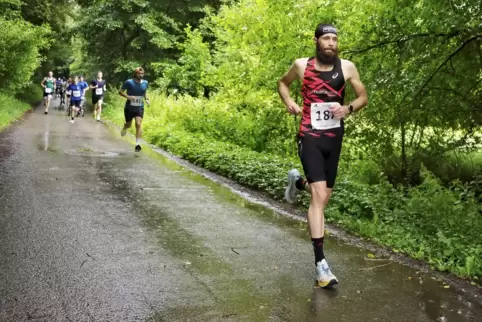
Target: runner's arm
147 98
286 80
360 91
123 91
42 82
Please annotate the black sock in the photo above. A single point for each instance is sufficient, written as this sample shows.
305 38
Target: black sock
300 183
318 248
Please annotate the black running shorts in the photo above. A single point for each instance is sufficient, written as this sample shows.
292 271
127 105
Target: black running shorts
97 98
75 103
319 157
130 114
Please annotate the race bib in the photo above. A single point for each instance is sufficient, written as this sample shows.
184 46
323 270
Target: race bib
99 91
322 117
137 101
48 90
76 93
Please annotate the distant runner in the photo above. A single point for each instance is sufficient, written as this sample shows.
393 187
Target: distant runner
61 88
135 91
48 83
75 91
98 87
85 87
321 130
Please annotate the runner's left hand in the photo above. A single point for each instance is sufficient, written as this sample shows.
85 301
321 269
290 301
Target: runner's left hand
339 111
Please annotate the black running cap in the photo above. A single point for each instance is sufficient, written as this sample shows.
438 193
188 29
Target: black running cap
323 29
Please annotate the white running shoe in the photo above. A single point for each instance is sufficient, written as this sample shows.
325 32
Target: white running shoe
123 131
324 276
290 192
72 121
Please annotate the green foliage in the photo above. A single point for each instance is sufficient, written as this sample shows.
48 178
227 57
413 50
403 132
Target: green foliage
120 35
32 94
429 222
20 44
57 15
11 109
191 72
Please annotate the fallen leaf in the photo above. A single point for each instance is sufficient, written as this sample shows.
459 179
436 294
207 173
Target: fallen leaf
187 263
369 255
410 278
446 286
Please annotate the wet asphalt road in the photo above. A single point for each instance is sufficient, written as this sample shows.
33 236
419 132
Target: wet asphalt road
91 231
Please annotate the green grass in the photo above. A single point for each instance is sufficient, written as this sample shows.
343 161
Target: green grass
12 108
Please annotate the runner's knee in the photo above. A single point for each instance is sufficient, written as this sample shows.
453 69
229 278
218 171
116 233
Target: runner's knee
319 193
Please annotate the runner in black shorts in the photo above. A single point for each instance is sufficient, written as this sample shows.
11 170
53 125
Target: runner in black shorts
321 130
98 87
135 91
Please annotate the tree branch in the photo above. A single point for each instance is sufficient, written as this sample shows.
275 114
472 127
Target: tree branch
402 40
455 52
451 90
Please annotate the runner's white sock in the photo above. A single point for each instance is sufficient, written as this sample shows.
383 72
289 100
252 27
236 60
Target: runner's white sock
137 141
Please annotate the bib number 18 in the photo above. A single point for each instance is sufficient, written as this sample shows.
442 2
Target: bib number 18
322 118
326 115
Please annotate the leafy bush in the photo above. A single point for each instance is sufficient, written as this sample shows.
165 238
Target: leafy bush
24 42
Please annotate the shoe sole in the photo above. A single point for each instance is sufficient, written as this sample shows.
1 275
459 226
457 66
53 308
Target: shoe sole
291 185
328 284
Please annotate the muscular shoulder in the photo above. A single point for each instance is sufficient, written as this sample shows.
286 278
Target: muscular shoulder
300 65
348 68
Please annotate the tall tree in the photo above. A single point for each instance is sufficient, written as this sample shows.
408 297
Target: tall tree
122 34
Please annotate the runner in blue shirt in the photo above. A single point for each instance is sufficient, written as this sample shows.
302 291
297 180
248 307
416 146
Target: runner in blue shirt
75 97
84 87
135 91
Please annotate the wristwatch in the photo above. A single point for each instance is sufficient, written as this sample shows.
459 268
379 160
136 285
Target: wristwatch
350 108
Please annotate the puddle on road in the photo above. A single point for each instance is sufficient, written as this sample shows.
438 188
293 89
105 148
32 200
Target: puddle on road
87 152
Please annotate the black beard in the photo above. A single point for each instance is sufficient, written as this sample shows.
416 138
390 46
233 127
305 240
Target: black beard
139 78
326 59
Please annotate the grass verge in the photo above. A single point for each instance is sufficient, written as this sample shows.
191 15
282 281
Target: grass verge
12 108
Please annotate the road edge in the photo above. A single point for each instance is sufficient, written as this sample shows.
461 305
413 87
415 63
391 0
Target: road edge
461 286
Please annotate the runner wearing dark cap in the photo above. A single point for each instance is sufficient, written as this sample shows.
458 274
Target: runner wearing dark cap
321 131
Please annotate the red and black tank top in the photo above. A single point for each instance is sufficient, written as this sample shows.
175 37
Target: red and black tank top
321 87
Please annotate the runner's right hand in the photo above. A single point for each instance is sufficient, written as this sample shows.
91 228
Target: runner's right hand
293 108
